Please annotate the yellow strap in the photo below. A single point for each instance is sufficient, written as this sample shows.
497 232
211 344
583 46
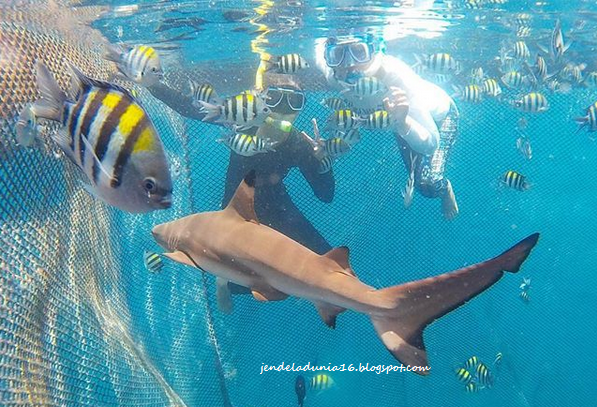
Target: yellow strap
257 45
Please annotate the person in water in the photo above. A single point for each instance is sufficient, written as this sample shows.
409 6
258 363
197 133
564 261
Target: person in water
425 119
273 205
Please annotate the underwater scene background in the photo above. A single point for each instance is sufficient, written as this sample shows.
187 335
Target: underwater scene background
84 322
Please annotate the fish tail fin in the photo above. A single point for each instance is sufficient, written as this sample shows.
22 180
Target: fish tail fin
51 104
113 53
412 306
268 62
213 111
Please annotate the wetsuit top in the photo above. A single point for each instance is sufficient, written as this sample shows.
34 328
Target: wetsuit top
428 103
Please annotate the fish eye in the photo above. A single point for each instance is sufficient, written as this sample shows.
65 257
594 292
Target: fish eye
153 69
149 184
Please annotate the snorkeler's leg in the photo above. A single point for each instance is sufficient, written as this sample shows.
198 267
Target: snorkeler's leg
429 174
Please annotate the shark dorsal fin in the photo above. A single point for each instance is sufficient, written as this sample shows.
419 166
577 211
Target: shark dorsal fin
243 201
340 256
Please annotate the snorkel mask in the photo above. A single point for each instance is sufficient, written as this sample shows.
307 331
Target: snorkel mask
352 50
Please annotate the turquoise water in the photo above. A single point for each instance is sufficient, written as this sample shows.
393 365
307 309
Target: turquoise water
548 344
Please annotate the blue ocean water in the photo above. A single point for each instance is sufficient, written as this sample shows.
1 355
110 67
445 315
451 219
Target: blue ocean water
548 344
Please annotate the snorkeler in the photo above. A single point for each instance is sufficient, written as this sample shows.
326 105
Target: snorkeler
424 117
273 204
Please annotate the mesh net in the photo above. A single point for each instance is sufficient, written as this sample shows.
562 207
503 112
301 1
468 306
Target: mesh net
82 322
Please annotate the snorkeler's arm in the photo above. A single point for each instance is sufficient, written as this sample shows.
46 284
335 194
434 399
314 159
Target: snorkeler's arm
323 185
422 138
177 101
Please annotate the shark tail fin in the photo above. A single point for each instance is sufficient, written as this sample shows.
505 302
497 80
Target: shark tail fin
413 306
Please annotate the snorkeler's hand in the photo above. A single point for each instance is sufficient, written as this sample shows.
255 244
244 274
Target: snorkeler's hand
397 106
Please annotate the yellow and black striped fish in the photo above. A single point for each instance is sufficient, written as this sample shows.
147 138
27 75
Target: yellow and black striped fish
533 102
325 164
153 261
573 72
515 180
442 62
203 92
320 382
140 64
380 119
469 93
471 387
513 79
343 120
109 136
540 67
464 375
524 296
246 145
365 87
590 120
351 136
484 375
335 103
336 147
491 87
471 363
287 64
243 110
521 50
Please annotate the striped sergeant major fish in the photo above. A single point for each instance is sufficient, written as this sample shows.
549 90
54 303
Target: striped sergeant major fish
471 363
491 87
244 110
351 136
524 296
591 79
140 64
336 103
557 48
477 75
472 387
109 136
320 382
521 50
533 102
246 145
336 147
469 93
343 120
203 92
483 375
325 164
153 261
573 72
464 375
513 79
365 87
589 120
286 64
441 62
515 180
380 119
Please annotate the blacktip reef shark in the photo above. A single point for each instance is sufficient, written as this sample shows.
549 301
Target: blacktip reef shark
234 246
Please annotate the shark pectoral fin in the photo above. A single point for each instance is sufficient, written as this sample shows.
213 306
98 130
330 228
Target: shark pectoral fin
340 256
328 313
410 307
264 294
243 201
180 257
224 296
